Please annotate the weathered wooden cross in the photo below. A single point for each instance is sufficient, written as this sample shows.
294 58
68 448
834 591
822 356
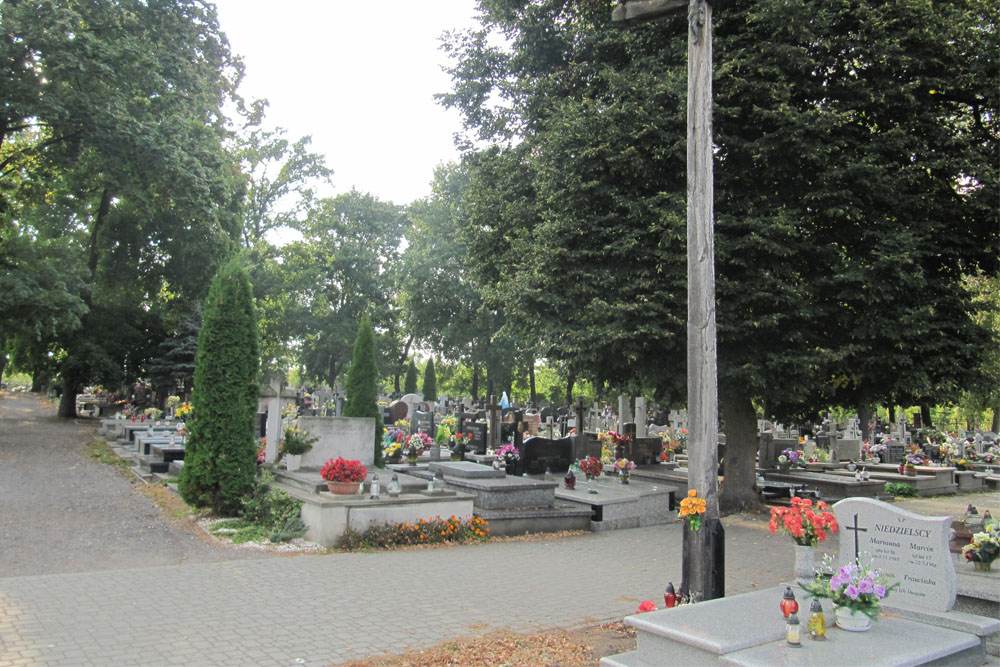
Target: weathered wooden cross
706 551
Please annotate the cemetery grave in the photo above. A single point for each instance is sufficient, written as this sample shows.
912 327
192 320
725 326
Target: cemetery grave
918 624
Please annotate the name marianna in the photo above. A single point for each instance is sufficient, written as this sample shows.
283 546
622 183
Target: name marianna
901 530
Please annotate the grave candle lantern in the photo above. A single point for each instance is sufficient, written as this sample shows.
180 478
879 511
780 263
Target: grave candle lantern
374 487
817 622
670 595
394 487
788 603
792 630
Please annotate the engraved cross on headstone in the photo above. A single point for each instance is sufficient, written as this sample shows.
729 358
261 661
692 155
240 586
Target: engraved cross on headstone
856 529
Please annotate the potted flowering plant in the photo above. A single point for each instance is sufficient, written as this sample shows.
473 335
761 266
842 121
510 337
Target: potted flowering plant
459 442
296 443
855 590
877 451
509 455
808 526
393 452
415 445
591 467
910 463
692 508
792 457
984 547
990 456
342 477
624 468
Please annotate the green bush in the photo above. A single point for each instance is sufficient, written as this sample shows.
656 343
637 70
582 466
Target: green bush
362 384
430 382
433 531
900 489
220 459
271 509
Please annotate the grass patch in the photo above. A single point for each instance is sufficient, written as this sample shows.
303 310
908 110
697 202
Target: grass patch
100 451
168 501
238 531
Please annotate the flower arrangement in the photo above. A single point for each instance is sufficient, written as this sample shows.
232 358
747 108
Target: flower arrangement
990 456
795 457
693 507
152 413
962 464
393 451
858 586
624 465
613 438
418 442
591 466
289 411
184 410
173 401
297 441
339 470
607 455
443 435
646 605
985 546
402 425
877 450
806 526
913 459
509 453
451 423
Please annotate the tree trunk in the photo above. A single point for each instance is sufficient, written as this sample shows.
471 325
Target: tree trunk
102 213
475 382
995 426
865 416
331 377
925 415
569 389
67 404
737 493
892 414
531 382
401 362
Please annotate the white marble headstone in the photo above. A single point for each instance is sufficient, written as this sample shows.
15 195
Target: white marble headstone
350 437
910 547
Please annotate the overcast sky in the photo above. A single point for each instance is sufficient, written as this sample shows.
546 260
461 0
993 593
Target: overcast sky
360 78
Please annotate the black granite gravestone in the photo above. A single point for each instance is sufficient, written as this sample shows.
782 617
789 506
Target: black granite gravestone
539 453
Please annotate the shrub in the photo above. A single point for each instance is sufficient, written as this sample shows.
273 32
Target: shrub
273 510
900 489
430 382
362 385
434 531
220 459
410 382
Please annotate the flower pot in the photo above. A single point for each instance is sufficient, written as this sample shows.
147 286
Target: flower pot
623 476
342 488
805 563
983 566
411 459
293 462
856 622
910 472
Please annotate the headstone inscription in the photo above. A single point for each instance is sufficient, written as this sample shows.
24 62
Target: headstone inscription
910 547
477 445
895 451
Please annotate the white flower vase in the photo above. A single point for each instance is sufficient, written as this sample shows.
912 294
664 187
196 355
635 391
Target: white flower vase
293 462
852 622
805 564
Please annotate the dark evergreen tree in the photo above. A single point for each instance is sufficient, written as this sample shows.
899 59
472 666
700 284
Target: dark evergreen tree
430 382
173 368
362 384
410 383
220 455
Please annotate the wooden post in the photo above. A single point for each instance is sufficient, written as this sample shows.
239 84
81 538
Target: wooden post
703 549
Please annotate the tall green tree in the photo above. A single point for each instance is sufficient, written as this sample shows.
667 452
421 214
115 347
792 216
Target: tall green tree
430 381
220 454
410 383
362 384
845 149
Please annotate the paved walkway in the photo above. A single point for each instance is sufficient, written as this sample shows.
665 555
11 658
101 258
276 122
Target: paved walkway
318 610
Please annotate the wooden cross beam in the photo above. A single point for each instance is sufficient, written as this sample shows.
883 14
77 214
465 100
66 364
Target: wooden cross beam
705 566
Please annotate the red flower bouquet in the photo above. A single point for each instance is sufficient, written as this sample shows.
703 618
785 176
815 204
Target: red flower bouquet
339 470
807 526
591 466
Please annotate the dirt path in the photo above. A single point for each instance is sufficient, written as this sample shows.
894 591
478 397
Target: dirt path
62 511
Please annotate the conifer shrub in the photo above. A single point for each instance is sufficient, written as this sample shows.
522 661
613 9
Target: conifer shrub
430 382
362 384
220 456
410 382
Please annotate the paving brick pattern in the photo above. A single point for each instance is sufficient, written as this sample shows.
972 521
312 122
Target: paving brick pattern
318 610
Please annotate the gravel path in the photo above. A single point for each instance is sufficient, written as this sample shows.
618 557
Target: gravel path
61 511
